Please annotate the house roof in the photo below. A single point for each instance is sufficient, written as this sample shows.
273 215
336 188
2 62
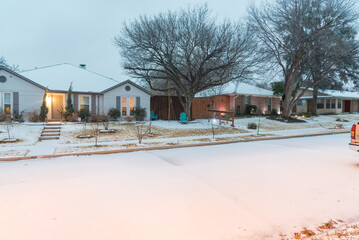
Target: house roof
22 77
342 94
336 93
129 82
59 77
245 89
240 88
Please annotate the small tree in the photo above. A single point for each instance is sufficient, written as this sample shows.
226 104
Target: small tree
69 109
8 125
43 110
140 130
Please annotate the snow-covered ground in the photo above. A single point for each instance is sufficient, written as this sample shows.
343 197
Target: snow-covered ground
164 133
254 190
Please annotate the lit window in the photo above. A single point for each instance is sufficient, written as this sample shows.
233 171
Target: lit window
7 103
85 103
124 106
132 106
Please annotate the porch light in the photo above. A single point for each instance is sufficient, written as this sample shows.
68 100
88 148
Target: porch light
48 100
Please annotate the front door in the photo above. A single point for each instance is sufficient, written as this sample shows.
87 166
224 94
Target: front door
347 106
57 106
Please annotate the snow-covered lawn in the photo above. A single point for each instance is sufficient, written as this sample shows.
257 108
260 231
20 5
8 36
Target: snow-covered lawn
164 133
254 190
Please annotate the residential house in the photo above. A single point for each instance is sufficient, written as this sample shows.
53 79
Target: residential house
24 91
235 96
329 101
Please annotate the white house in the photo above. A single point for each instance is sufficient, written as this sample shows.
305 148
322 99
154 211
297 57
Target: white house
24 91
329 101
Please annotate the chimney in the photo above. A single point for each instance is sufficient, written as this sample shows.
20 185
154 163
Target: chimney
83 66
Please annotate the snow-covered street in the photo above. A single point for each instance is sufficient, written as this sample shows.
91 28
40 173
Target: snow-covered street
253 190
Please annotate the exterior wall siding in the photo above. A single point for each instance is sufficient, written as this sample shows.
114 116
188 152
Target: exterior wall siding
109 98
30 96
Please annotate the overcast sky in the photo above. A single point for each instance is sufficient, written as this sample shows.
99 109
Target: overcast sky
46 32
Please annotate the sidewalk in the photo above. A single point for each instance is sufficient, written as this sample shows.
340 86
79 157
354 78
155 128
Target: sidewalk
47 149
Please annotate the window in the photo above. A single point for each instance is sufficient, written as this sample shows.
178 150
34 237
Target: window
327 103
320 103
301 102
333 103
132 106
124 106
339 103
128 106
246 100
7 103
269 104
85 103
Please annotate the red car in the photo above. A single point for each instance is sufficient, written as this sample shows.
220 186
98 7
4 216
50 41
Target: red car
354 143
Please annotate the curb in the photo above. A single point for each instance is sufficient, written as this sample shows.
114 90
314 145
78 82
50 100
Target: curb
165 147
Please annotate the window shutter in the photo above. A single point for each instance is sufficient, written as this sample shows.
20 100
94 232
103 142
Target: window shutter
93 103
15 102
76 102
118 102
138 103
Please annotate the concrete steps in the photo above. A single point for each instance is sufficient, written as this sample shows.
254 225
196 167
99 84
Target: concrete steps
51 131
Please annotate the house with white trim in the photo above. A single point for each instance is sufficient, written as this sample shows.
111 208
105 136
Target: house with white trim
24 91
329 101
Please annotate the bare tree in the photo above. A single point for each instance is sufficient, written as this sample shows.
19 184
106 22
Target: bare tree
140 129
186 52
4 63
288 31
8 125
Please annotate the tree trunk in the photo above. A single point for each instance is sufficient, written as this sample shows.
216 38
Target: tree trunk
315 100
286 99
187 108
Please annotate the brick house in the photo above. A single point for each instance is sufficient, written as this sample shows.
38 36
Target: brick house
234 96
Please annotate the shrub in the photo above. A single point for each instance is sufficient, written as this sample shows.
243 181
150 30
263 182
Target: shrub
274 112
114 114
43 110
74 117
34 116
341 120
238 110
252 125
128 118
84 114
251 109
19 117
140 113
69 109
3 116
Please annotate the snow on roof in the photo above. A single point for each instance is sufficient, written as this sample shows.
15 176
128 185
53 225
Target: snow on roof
59 77
335 93
342 94
246 89
240 88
